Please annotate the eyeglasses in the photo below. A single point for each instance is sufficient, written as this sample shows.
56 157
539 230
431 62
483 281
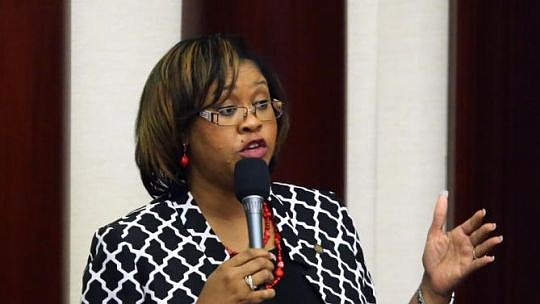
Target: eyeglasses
264 110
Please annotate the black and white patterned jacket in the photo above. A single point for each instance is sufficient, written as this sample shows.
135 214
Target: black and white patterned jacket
164 251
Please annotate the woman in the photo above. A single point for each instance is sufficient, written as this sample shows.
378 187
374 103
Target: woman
208 103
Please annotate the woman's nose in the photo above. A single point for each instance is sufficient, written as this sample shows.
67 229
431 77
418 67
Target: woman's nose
250 123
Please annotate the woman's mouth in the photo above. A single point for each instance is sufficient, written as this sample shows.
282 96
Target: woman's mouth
254 149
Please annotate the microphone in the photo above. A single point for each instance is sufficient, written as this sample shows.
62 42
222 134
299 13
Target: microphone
252 187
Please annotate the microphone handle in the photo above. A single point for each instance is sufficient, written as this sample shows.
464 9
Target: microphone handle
253 209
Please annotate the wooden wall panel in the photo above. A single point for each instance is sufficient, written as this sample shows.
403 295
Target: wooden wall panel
496 140
304 41
32 151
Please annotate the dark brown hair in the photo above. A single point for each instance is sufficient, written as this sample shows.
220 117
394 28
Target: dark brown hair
174 94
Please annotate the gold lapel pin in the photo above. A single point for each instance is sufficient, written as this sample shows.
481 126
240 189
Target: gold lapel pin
318 248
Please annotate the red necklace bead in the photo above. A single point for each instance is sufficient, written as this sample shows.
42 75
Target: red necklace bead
279 269
269 223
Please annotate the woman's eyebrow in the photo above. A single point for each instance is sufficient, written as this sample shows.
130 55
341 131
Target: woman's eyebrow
260 82
255 83
226 88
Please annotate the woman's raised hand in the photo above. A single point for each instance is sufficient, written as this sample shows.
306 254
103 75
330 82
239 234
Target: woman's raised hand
449 257
227 284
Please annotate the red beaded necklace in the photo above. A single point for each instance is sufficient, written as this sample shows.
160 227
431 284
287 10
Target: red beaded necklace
269 223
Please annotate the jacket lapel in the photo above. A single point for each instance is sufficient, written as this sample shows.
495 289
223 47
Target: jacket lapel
301 246
192 224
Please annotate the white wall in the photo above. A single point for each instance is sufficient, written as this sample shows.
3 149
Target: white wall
396 125
114 44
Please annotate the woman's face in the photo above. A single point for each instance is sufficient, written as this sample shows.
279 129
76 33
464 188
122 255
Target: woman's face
214 150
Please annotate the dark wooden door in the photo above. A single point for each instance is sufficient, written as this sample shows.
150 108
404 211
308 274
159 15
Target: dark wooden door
496 139
32 153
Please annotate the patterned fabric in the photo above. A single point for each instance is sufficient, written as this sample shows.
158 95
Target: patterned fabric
164 251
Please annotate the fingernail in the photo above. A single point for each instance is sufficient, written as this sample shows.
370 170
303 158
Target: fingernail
484 211
501 238
444 193
272 256
494 226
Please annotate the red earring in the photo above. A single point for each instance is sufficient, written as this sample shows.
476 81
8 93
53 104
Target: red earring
184 159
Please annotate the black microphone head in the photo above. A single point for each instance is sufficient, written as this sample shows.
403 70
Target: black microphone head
251 177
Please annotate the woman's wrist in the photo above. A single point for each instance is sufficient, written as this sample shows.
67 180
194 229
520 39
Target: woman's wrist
429 295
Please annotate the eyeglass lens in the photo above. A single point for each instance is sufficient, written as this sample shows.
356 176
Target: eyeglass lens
264 111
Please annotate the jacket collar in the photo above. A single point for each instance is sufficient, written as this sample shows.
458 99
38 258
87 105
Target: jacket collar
300 245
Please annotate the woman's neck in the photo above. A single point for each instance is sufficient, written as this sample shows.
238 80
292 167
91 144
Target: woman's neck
223 213
216 201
